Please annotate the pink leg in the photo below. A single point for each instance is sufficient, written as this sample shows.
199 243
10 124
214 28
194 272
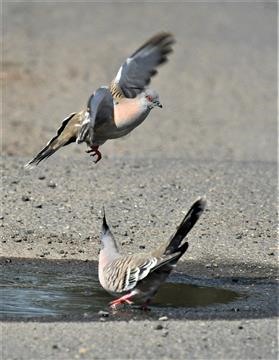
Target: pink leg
94 150
122 300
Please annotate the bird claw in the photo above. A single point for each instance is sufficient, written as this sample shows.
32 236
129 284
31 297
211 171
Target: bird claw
95 152
123 300
99 156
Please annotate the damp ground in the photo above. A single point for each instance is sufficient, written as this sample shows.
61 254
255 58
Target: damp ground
43 291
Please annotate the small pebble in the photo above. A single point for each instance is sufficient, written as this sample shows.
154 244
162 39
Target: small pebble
82 351
38 206
142 247
235 309
25 198
51 184
54 346
159 327
41 177
103 313
163 318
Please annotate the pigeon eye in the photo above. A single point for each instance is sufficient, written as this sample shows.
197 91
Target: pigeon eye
149 98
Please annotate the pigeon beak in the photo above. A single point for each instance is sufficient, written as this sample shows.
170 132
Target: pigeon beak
159 104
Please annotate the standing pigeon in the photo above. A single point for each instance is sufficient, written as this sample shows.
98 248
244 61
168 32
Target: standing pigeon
136 278
114 111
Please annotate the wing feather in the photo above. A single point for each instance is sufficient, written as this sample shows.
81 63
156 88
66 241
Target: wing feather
124 273
100 107
136 72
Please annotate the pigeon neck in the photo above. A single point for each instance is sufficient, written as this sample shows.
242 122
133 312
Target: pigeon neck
109 244
107 255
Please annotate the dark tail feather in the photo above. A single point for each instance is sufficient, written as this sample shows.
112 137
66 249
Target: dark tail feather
43 154
172 259
54 144
186 225
181 250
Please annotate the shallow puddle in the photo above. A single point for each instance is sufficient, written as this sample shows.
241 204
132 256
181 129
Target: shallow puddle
36 294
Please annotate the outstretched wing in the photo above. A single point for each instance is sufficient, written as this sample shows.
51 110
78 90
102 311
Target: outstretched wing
135 74
100 109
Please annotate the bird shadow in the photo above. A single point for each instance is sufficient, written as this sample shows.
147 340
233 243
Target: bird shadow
68 290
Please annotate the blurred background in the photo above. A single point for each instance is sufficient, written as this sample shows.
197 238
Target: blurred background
218 88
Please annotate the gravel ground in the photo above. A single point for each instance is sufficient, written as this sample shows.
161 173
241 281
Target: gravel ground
216 135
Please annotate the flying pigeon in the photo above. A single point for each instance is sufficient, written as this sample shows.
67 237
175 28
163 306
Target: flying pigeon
136 278
114 111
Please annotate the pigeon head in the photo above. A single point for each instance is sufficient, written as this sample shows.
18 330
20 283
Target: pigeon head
151 98
107 238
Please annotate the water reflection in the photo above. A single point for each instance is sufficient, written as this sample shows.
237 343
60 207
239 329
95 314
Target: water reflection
35 294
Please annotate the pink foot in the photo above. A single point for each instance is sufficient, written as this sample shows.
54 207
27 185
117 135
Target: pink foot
122 300
94 150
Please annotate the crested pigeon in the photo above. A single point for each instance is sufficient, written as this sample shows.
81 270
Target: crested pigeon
114 111
136 278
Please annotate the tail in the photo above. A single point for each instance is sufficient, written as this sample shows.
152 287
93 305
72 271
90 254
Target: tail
59 140
43 154
186 225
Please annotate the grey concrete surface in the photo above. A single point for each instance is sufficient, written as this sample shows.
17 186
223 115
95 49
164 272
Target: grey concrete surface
140 340
216 135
